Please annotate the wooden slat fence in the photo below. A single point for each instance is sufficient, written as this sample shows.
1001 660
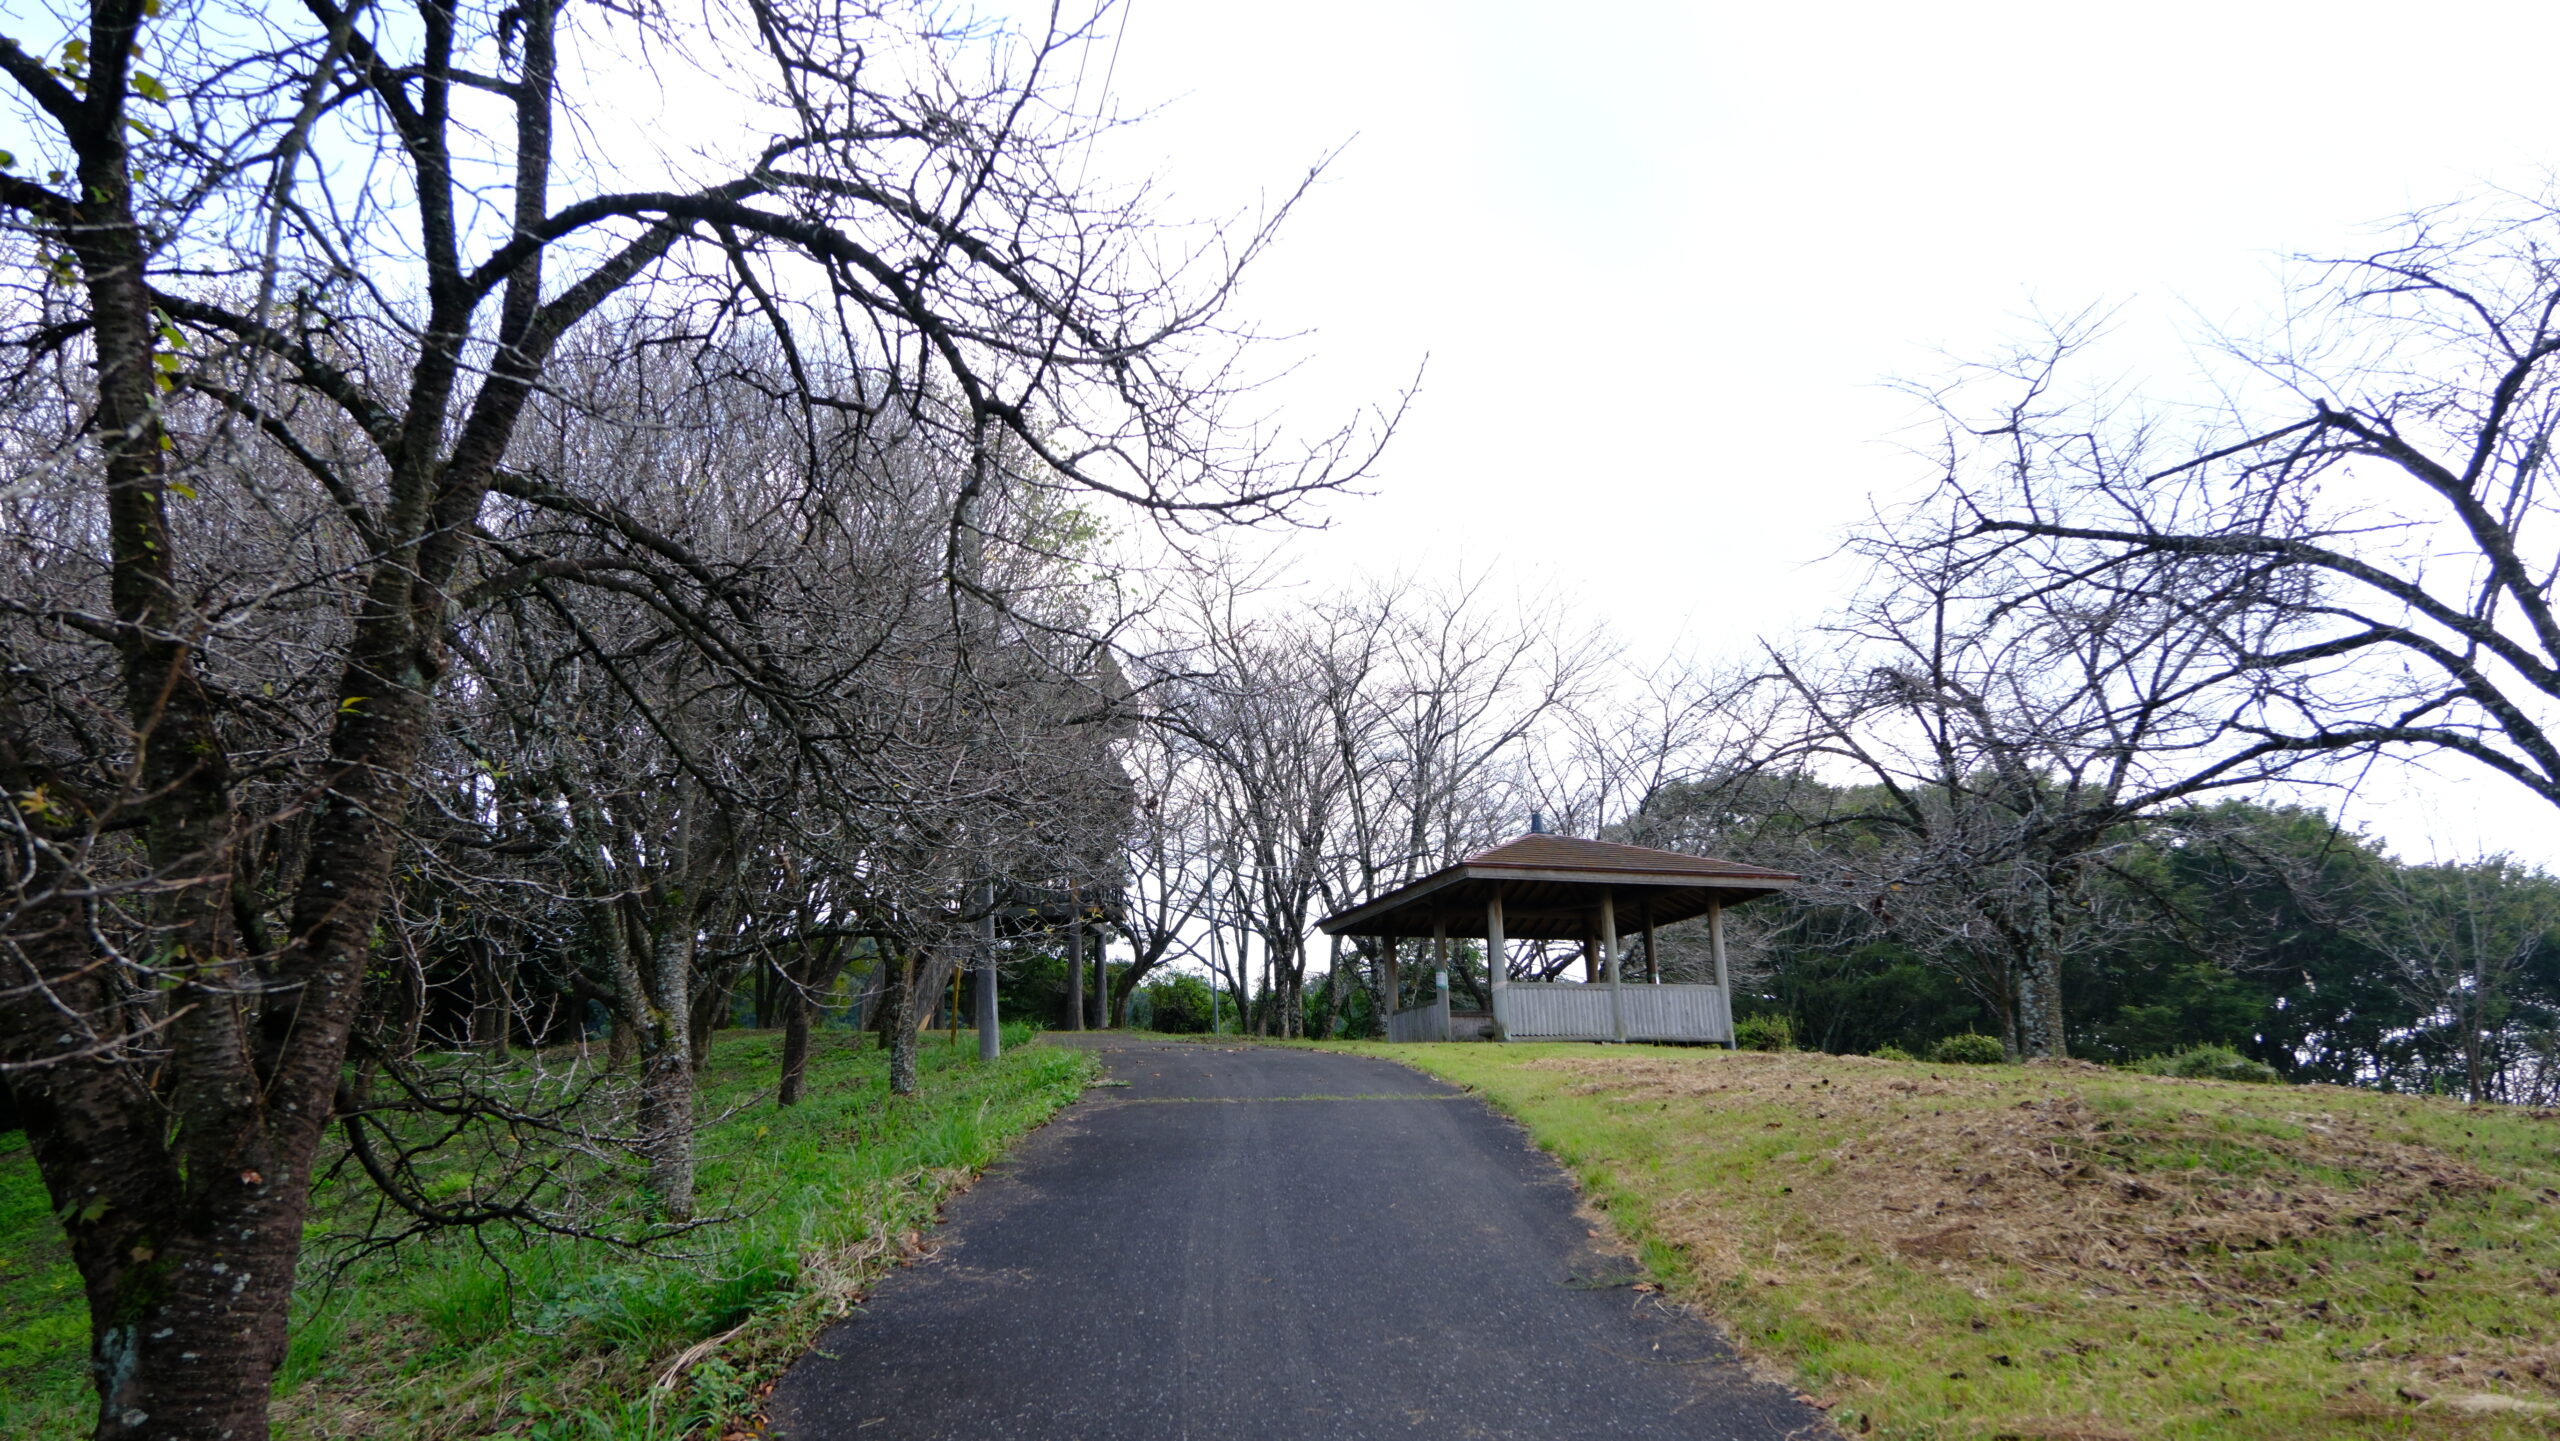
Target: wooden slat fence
1422 1023
1567 1011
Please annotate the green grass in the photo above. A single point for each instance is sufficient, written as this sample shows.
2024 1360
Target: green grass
2002 1251
550 1339
44 1320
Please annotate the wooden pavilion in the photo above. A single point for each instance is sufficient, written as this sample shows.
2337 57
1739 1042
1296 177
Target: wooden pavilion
1561 888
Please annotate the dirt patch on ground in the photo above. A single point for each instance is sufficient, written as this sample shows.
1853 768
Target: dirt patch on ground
1955 1170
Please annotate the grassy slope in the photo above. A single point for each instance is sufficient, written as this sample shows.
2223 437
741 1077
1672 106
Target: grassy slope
561 1340
2059 1252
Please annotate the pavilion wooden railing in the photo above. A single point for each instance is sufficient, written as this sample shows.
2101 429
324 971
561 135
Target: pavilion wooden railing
1570 1011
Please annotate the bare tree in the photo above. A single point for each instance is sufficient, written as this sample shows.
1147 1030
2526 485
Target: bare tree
2001 737
2375 485
1172 878
267 406
1442 692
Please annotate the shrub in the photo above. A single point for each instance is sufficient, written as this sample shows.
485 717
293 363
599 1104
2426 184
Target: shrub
1891 1052
1179 1004
1967 1050
2209 1063
1764 1033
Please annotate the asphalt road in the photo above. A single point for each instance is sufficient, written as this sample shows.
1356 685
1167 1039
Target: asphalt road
1257 1242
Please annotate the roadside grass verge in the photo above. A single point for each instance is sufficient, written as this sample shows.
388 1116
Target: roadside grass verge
549 1340
2070 1252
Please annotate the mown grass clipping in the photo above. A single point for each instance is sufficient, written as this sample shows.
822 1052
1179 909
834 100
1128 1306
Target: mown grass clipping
1937 1251
463 1336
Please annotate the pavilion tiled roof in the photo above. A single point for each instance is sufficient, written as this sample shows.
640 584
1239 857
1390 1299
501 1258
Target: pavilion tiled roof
1551 887
1544 852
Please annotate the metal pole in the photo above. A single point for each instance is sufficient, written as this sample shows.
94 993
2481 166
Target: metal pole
990 1034
1440 975
1495 962
1609 941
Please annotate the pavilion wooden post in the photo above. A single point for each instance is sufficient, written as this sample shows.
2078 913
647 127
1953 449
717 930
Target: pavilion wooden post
1495 962
1440 973
1395 991
1652 957
1609 946
1715 943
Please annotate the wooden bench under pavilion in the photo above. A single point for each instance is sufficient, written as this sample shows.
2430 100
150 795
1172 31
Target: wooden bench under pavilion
1562 888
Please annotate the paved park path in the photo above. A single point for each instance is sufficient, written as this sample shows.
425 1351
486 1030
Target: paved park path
1256 1242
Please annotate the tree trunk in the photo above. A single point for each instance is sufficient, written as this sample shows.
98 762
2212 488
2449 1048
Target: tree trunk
183 1204
795 1043
710 1016
1075 971
798 988
902 1027
2042 1023
186 1276
492 1009
667 1078
1101 982
1333 991
2012 1007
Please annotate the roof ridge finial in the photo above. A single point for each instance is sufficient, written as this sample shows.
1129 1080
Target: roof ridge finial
1537 824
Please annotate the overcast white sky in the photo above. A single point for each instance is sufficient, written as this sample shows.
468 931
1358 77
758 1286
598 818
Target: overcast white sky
1661 255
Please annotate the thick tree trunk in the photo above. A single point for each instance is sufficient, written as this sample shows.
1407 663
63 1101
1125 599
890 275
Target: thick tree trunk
902 1027
2041 1015
2045 1029
667 1078
183 1204
158 1250
1101 982
795 1043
